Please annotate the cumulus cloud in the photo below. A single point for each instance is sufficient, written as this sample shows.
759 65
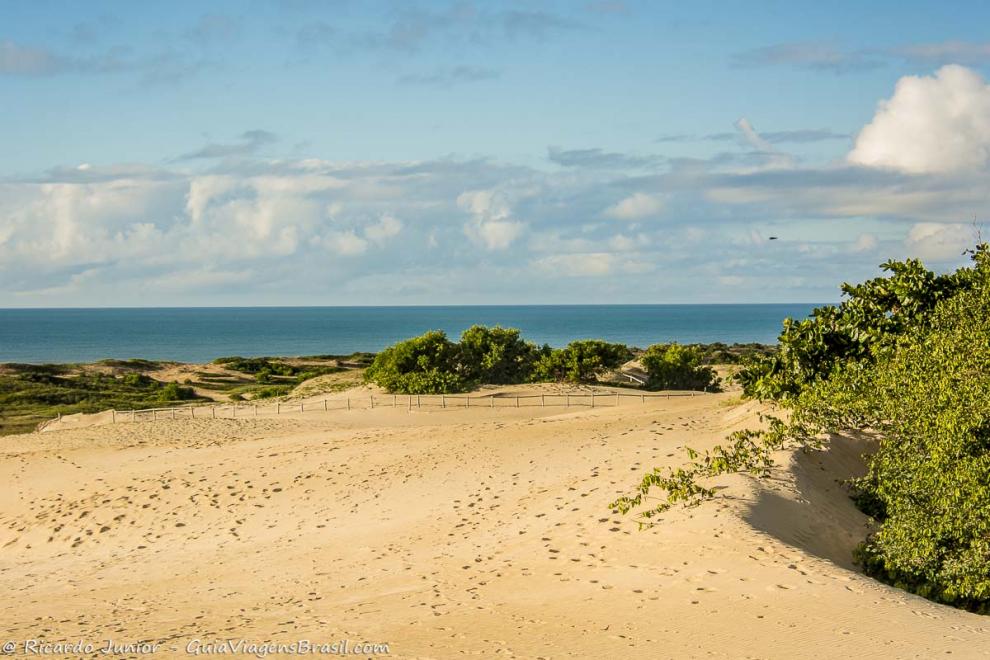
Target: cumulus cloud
931 124
636 207
491 224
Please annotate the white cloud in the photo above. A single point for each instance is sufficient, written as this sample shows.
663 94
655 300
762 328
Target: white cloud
491 225
939 242
345 243
594 264
930 125
636 207
387 227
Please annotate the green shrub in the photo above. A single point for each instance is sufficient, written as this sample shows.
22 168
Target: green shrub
676 367
427 364
496 355
581 361
175 392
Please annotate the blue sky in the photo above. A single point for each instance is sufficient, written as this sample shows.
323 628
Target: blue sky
304 152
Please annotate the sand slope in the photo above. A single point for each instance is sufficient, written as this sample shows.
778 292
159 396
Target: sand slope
444 533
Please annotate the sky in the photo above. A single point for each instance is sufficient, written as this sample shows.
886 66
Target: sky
304 152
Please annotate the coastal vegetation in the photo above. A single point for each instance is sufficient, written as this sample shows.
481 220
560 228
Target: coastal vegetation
32 393
905 359
432 364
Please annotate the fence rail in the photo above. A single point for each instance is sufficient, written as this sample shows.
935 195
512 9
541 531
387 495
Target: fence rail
372 401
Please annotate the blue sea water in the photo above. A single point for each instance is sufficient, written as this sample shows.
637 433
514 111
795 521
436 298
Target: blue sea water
200 334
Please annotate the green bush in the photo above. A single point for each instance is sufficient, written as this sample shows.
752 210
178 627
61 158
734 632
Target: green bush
432 364
581 361
864 325
427 364
496 355
175 392
676 367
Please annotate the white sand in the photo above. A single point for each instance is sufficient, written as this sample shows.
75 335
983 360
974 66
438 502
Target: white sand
445 533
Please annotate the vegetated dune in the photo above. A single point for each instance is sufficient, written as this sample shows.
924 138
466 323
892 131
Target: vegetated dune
446 532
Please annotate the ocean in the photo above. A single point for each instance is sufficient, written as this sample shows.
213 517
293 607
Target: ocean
200 334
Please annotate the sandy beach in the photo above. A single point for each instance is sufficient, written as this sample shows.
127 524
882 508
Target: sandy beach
445 533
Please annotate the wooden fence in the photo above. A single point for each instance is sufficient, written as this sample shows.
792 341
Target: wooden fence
373 401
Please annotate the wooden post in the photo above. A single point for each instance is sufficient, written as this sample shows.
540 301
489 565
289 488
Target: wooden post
60 417
517 401
592 399
642 398
372 401
214 408
418 404
493 401
233 411
113 416
256 410
325 408
443 400
278 408
133 416
393 401
301 406
543 400
616 398
348 403
568 401
409 402
154 415
192 412
468 403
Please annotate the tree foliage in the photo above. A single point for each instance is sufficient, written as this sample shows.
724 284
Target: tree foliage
907 358
580 361
677 367
432 364
496 355
426 364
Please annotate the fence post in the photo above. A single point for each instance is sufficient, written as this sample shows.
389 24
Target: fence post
493 400
418 404
409 402
642 398
517 401
113 416
616 398
301 406
372 401
133 416
393 401
443 400
348 403
256 410
543 400
214 409
154 415
192 412
592 399
325 408
568 401
468 404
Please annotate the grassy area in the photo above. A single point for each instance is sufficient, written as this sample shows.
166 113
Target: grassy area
30 394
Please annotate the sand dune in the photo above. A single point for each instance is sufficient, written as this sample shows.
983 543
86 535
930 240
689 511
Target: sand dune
445 533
